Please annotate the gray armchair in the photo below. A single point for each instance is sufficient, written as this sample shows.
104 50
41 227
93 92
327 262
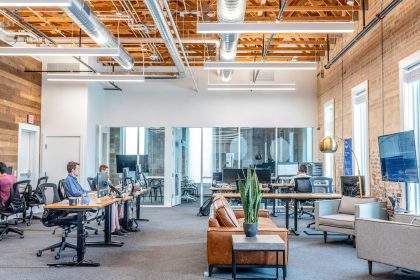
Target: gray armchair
393 243
340 215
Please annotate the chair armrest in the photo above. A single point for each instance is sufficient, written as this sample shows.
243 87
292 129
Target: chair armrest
325 207
239 213
372 210
388 242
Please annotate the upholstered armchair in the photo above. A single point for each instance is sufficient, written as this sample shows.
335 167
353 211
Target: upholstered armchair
339 215
394 243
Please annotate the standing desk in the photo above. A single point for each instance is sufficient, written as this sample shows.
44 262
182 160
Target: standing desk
81 209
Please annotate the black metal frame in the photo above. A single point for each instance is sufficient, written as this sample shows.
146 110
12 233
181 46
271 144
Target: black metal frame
277 266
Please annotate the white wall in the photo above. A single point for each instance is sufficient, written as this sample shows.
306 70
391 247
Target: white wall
173 103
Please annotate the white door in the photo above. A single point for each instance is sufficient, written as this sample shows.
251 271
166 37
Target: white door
59 150
28 153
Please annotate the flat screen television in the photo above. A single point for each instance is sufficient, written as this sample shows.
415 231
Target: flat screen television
230 175
397 153
124 161
287 168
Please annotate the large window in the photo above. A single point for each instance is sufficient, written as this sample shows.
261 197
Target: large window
360 130
329 131
410 106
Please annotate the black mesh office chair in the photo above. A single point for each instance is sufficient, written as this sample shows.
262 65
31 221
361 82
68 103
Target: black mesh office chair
16 205
25 189
35 198
57 218
321 184
92 183
303 185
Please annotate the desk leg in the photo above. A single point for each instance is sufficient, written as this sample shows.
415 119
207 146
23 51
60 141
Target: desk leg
277 265
294 230
274 208
284 264
287 213
107 232
138 210
80 245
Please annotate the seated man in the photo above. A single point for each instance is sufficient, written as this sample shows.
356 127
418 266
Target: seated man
74 189
6 184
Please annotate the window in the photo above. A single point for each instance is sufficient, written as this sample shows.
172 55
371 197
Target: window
410 108
329 131
360 130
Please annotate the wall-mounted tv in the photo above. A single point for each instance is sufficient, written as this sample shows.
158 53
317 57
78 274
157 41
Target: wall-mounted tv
397 153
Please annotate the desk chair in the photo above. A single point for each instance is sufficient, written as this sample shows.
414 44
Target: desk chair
35 198
62 195
57 218
303 185
189 190
92 183
16 206
26 186
156 186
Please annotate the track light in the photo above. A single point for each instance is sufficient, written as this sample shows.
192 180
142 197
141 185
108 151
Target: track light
281 27
98 77
17 51
35 3
260 65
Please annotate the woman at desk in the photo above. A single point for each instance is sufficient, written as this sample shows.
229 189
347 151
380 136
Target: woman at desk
301 174
73 189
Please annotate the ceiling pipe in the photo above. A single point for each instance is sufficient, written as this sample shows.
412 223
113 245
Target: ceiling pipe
365 30
164 30
82 14
229 11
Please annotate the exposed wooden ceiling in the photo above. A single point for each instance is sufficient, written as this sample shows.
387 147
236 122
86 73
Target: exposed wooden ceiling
130 19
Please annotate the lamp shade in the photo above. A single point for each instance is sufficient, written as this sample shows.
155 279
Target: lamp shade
328 145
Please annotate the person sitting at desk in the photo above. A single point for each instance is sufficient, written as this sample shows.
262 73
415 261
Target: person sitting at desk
301 174
73 188
117 215
6 184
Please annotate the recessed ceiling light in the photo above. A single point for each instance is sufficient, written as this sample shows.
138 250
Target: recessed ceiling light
261 65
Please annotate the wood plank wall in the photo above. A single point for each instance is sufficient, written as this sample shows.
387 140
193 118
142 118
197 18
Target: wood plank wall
20 95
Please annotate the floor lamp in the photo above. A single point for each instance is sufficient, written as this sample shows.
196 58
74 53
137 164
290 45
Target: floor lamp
328 145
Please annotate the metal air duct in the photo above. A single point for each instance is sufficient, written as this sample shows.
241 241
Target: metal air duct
229 11
164 30
81 13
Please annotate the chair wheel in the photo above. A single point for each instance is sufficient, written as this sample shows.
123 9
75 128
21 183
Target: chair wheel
16 223
22 236
28 224
52 250
57 257
96 232
39 254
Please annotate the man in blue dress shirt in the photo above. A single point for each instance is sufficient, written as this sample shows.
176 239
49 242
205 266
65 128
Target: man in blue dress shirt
71 186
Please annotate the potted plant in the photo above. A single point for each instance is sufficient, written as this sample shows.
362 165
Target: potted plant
251 199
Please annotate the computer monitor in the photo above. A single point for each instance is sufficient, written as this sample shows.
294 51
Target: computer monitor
218 176
287 168
264 175
230 175
144 162
129 161
102 184
350 185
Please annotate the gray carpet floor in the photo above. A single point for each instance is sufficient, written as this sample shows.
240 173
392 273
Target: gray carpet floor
172 245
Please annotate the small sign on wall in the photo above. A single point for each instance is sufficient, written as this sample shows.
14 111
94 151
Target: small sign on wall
31 119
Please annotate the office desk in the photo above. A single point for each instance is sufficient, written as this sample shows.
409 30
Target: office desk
287 197
95 203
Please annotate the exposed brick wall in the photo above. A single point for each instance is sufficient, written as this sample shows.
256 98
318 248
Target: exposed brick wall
374 58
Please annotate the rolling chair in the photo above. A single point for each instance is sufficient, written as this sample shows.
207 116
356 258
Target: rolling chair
35 198
25 190
16 206
100 214
62 195
155 187
303 185
320 184
57 218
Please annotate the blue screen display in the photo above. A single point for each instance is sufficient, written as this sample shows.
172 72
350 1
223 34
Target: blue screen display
398 157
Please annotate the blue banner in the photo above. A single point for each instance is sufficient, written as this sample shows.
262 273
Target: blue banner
348 159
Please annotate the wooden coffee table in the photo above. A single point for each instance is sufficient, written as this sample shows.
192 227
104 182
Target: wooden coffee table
261 243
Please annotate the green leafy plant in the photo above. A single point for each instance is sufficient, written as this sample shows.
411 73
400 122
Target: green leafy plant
250 197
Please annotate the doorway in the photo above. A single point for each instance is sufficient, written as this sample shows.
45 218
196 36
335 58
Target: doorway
28 153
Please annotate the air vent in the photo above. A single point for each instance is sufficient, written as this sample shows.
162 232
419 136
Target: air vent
65 67
264 76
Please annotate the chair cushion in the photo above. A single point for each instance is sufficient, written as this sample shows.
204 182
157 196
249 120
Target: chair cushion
262 222
348 204
224 214
338 220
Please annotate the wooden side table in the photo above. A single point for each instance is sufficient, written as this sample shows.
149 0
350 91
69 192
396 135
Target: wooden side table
263 243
